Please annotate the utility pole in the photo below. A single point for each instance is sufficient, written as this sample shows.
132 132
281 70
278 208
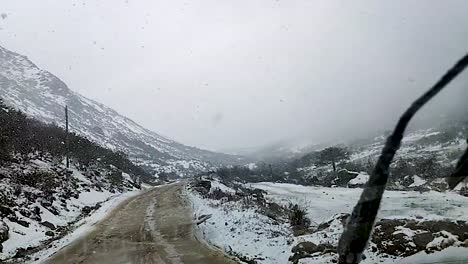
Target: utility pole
67 144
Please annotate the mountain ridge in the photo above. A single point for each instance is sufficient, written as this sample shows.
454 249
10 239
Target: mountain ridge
42 95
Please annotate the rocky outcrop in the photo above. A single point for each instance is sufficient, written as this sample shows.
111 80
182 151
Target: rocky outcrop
4 230
403 237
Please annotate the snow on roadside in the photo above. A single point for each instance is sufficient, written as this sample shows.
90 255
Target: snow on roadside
23 237
83 226
38 216
239 230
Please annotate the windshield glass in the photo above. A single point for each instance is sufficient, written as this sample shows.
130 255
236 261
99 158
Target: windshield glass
269 132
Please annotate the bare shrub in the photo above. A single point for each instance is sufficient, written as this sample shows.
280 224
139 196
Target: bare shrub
42 180
115 178
298 216
218 194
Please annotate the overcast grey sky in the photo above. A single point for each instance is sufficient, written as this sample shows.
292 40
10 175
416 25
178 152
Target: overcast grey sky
230 74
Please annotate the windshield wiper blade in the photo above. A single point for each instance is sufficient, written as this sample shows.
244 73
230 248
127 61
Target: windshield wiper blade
358 230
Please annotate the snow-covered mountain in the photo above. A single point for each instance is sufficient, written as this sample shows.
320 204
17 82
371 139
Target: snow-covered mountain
43 96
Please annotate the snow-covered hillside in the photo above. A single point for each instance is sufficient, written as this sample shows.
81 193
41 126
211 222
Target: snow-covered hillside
425 157
41 201
43 96
444 143
251 222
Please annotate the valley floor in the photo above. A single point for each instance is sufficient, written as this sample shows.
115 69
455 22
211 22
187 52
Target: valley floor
154 227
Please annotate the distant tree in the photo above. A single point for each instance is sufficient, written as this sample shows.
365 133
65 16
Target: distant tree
332 155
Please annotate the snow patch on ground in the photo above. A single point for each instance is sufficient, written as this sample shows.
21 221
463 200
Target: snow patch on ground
361 179
417 181
218 185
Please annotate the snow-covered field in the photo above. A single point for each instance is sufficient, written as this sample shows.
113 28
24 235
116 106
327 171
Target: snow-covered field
241 230
322 203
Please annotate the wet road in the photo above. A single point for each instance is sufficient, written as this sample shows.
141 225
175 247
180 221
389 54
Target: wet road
154 227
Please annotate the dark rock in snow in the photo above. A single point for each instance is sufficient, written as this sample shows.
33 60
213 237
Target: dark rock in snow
421 240
21 253
323 226
344 176
89 209
48 225
301 230
23 223
405 237
3 233
25 212
305 247
203 187
6 211
421 189
326 248
86 210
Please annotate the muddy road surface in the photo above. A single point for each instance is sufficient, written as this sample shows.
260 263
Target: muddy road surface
154 227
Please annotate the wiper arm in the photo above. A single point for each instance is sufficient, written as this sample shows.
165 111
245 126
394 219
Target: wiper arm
358 230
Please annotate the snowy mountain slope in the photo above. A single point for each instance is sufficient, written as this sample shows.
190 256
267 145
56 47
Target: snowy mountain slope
43 96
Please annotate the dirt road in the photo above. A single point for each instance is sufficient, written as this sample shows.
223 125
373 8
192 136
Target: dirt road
154 227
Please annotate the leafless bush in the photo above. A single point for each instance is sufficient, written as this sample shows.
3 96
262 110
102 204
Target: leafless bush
115 178
43 180
298 216
218 194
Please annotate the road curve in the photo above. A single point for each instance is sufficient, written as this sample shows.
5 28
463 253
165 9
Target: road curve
154 227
